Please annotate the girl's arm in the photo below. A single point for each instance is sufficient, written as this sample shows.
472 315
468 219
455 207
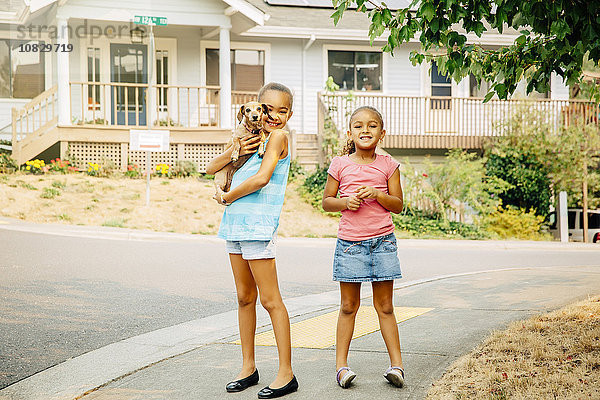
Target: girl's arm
330 201
393 201
249 144
275 147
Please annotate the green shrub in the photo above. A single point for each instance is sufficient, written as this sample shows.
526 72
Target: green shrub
296 171
313 186
6 162
428 225
514 223
530 183
4 150
459 180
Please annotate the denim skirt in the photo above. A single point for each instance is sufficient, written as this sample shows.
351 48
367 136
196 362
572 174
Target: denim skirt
369 260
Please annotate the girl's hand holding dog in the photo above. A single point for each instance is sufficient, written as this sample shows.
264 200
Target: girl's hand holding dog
249 144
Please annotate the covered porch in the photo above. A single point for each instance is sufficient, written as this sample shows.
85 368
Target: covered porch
100 128
111 81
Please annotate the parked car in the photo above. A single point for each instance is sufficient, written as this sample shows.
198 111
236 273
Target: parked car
576 225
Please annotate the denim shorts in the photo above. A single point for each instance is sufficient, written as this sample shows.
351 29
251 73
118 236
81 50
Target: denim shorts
252 249
370 260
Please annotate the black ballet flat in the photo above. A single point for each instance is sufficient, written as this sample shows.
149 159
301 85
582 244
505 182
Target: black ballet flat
241 384
268 393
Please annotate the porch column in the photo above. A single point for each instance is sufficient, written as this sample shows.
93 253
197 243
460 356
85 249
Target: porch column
558 89
62 73
224 79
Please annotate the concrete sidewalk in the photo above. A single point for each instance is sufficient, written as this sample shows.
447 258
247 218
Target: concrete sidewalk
444 319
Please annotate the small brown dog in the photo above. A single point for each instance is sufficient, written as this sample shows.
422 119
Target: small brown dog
250 122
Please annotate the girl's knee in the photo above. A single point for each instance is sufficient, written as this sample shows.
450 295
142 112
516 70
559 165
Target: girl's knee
384 308
271 304
247 298
349 307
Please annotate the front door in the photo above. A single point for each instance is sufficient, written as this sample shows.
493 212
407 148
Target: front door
129 66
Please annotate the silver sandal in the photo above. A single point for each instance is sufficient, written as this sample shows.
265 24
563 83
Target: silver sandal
346 379
395 375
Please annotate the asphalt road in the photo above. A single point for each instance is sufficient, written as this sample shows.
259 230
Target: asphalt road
63 296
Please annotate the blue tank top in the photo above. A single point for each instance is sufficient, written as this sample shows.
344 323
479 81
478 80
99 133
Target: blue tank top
256 215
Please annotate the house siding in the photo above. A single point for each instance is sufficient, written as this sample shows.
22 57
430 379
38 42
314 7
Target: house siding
399 76
6 106
286 68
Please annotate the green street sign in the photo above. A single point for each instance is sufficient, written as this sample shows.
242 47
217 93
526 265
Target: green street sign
147 20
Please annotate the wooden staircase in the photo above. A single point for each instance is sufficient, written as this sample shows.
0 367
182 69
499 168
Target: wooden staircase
34 127
307 151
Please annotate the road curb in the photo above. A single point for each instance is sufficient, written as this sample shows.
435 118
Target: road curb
111 233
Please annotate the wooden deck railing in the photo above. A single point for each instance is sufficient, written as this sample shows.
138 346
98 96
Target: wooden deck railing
439 116
125 104
36 116
175 105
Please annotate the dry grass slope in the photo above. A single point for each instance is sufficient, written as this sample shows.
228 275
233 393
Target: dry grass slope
553 356
176 205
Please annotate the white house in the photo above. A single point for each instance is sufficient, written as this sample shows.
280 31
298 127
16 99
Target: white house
80 92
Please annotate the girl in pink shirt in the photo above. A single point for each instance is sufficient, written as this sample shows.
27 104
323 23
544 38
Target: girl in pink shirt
366 251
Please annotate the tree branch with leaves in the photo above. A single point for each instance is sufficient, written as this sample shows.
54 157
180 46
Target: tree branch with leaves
553 37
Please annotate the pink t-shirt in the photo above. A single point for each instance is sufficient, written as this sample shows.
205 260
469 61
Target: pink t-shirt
371 219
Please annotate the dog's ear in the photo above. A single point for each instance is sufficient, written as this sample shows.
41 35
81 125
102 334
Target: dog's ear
266 111
240 114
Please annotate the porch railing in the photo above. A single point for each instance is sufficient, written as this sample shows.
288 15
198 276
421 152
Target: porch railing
238 98
427 116
125 104
36 116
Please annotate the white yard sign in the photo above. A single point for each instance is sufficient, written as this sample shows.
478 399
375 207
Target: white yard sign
148 141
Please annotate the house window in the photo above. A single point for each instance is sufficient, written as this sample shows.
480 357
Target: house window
480 92
441 86
162 77
93 75
247 69
21 72
355 70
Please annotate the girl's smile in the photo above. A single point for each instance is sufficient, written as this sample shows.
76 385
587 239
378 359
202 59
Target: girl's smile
366 130
279 107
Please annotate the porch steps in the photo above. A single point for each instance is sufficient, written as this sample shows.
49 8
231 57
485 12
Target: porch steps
34 126
30 147
307 151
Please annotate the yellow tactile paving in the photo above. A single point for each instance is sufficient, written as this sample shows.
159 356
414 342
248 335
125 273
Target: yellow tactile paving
319 332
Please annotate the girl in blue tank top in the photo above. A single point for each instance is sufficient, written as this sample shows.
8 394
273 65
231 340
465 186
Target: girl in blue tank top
249 225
